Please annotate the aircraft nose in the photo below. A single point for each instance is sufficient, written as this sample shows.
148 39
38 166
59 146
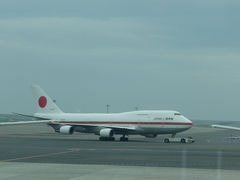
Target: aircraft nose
189 122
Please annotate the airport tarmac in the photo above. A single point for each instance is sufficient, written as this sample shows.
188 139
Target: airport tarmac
38 144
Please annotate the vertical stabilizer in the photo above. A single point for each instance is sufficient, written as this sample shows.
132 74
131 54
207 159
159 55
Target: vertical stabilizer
44 103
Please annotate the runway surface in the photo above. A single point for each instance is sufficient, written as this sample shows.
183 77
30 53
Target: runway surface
39 144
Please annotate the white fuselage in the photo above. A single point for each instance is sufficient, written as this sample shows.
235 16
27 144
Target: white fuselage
143 122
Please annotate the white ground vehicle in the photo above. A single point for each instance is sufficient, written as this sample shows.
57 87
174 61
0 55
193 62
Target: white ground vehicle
178 140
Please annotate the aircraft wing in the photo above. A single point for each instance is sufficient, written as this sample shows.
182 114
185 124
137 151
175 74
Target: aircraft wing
37 120
82 125
29 116
23 122
119 128
225 127
233 137
131 128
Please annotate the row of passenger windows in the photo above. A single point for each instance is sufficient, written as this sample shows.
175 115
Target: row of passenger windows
175 114
167 118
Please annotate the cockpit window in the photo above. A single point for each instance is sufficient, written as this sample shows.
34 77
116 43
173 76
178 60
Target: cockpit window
177 114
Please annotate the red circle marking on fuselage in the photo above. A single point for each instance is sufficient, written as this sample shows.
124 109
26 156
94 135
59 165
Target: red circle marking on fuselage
42 101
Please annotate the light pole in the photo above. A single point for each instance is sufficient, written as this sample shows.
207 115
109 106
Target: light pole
107 108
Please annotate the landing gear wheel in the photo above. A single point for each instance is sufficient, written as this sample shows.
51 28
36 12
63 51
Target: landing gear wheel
123 138
112 139
183 140
106 138
102 139
166 140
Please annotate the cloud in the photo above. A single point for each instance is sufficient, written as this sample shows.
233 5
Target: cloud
181 55
106 38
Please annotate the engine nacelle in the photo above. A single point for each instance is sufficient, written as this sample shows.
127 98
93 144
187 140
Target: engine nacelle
150 135
106 132
66 130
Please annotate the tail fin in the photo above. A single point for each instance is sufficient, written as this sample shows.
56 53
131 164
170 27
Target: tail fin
44 103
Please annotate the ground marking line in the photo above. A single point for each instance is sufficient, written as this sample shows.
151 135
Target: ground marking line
40 155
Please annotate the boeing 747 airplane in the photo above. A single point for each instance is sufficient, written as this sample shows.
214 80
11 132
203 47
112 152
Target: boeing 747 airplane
148 123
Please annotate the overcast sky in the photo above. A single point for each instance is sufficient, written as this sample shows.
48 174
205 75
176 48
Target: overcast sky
175 55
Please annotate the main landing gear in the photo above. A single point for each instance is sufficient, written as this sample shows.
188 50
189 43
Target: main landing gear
106 138
123 138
